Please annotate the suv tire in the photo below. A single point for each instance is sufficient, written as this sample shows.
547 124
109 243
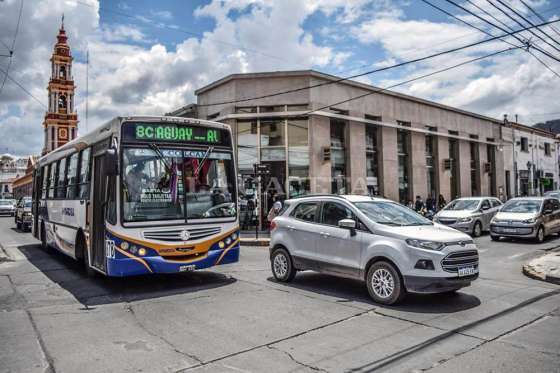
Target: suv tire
282 265
494 238
384 283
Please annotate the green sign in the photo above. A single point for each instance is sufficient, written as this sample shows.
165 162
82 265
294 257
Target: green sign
171 132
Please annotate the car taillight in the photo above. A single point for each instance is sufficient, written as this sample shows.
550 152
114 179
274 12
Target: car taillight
273 225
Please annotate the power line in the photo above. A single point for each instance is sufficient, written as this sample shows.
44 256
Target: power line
539 16
22 88
12 48
521 24
528 21
412 80
338 80
487 33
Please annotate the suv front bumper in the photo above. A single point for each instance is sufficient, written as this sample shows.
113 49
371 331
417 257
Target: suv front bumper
426 285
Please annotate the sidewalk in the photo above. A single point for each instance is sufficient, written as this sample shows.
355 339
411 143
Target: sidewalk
248 238
545 268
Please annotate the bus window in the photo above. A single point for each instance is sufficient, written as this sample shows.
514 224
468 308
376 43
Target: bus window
111 212
72 176
52 179
61 179
83 188
45 183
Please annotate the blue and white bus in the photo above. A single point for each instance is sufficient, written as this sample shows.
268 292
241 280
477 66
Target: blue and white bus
141 195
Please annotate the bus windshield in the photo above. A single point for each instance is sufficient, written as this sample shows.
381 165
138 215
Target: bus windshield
173 184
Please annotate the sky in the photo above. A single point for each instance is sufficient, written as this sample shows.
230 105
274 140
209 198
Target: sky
148 57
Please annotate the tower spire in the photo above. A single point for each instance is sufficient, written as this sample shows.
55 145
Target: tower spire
62 23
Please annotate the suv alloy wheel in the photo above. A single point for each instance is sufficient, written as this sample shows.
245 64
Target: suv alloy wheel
282 265
384 283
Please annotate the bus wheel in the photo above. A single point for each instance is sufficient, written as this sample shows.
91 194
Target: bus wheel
44 244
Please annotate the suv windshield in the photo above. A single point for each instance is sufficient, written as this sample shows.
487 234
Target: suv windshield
27 203
463 204
5 203
522 206
171 184
390 213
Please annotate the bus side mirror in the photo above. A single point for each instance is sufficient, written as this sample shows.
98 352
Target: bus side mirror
111 162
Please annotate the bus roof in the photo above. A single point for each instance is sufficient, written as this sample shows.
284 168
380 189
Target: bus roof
111 128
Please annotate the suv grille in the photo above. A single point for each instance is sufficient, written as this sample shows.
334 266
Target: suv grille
174 235
447 221
453 261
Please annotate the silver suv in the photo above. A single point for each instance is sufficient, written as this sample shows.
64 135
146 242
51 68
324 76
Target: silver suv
389 246
471 215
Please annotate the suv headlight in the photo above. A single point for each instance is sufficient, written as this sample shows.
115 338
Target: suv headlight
428 245
530 221
464 220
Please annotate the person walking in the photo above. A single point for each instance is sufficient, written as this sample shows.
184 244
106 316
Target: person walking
441 202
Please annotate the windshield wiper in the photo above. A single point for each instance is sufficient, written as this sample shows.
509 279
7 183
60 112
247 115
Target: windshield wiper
390 223
160 155
206 155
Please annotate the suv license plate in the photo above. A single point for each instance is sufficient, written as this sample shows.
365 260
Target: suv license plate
466 271
510 230
188 268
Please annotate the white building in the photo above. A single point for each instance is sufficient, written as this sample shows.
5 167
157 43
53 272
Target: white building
11 167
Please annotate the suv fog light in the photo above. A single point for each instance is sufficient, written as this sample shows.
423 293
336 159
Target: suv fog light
424 264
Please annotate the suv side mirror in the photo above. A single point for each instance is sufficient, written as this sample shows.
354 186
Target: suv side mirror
485 207
348 224
111 161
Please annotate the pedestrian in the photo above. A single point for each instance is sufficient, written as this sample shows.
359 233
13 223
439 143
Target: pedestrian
419 204
275 210
441 202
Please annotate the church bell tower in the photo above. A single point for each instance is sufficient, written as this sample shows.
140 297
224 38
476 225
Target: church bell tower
61 119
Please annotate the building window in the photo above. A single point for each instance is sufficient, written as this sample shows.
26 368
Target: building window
454 177
302 107
245 109
403 168
273 140
298 157
547 149
403 124
376 118
372 159
474 168
271 109
338 156
490 150
524 144
247 142
430 170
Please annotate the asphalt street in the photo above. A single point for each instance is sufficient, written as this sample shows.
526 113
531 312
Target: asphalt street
235 318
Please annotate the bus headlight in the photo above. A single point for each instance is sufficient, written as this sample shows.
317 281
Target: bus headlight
124 246
228 241
221 244
234 236
141 251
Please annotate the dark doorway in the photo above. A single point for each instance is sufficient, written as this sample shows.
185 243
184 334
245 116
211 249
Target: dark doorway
99 196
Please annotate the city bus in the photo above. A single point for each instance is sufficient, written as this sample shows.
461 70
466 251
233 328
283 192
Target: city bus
141 195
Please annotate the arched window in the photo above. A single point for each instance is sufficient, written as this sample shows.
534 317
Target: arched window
62 72
62 102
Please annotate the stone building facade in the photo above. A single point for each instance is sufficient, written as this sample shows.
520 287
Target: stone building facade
384 143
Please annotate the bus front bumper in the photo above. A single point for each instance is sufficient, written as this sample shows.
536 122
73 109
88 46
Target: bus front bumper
126 266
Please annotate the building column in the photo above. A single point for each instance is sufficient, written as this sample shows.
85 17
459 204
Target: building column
444 176
500 174
319 170
464 165
356 157
389 163
418 176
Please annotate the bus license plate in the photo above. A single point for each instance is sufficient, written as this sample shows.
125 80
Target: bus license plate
466 271
188 268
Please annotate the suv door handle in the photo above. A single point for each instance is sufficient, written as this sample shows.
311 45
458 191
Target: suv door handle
324 234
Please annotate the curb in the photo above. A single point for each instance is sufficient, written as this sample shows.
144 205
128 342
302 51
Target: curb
253 242
529 271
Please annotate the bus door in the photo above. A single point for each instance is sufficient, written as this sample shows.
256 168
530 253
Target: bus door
97 208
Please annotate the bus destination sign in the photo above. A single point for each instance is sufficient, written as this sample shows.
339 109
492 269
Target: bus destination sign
170 132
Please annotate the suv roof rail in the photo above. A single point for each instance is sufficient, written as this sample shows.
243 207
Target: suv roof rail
318 195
